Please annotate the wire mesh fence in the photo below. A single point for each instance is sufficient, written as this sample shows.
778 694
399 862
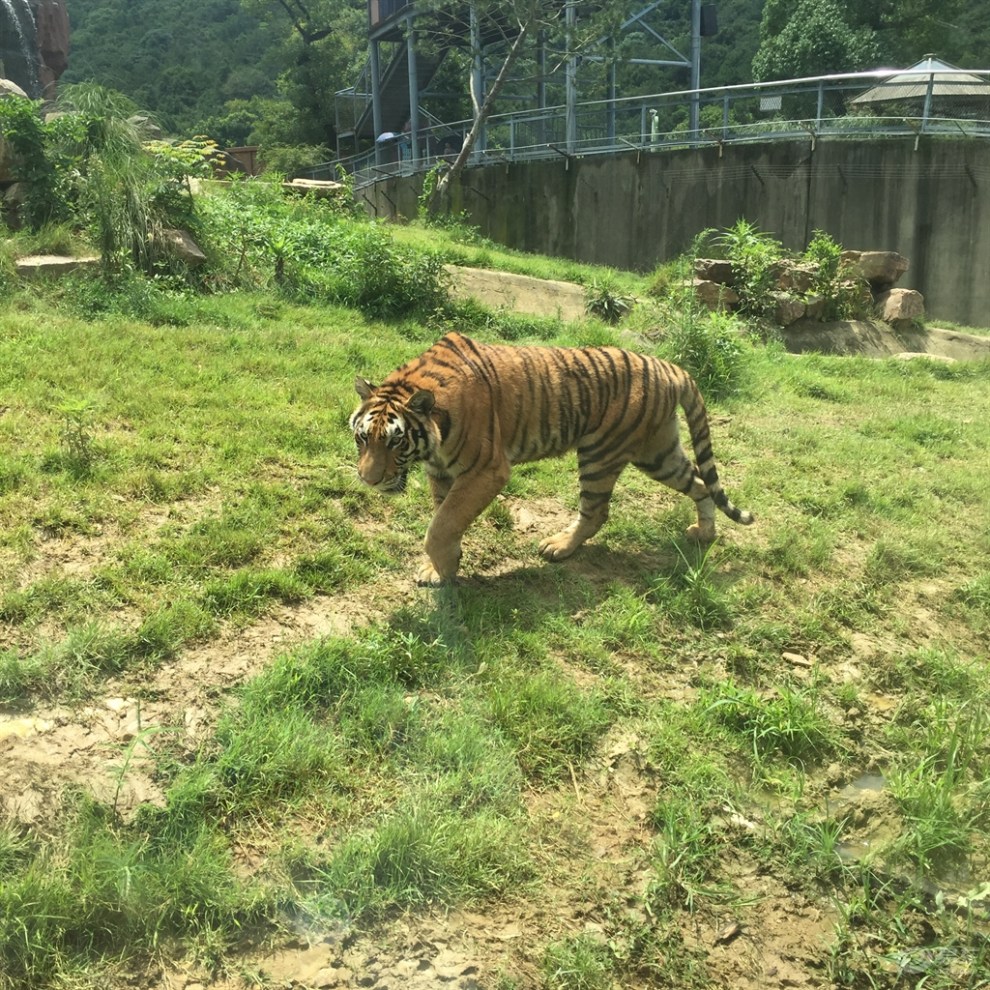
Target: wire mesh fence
871 105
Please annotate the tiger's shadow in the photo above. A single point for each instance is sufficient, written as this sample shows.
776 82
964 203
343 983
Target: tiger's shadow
530 596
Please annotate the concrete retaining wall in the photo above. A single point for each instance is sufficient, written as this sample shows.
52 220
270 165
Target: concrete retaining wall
928 200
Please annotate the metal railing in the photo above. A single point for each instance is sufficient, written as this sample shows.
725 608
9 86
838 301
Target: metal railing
865 105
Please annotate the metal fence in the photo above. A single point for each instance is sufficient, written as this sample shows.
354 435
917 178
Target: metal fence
866 105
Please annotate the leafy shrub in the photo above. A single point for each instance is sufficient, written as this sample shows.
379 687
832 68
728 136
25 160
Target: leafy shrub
603 299
127 192
292 159
313 249
708 345
754 256
46 180
846 296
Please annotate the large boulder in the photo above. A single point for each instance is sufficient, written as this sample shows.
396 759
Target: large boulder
901 304
880 268
52 20
714 295
181 245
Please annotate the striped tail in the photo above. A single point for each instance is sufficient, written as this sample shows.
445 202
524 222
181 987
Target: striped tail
697 419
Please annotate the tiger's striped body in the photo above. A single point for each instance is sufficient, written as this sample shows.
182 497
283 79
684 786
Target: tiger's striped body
469 411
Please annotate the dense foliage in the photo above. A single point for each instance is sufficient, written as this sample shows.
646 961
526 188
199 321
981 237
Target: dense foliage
219 67
91 168
244 71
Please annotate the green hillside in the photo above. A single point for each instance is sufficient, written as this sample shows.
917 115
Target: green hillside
241 71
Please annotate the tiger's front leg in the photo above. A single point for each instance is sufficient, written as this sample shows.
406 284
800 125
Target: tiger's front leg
458 504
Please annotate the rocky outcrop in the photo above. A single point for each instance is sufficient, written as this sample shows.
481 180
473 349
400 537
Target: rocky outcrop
865 287
35 51
52 31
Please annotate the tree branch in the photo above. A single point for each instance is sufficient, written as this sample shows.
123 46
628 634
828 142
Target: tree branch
300 16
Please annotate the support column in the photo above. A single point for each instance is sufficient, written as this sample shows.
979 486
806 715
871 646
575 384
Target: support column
695 66
376 97
477 77
413 89
570 76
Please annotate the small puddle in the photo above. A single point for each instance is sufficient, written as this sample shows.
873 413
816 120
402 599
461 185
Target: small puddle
853 850
874 782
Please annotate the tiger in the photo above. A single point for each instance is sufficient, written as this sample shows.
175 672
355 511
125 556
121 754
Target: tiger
469 411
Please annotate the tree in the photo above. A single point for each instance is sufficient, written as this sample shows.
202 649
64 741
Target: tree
311 20
576 28
811 38
907 30
324 43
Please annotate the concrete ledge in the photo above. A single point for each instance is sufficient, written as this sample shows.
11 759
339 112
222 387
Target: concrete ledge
518 293
53 264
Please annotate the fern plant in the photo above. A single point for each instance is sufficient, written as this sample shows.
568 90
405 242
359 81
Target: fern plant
754 256
604 300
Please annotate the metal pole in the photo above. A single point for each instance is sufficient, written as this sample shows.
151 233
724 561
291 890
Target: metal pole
413 89
541 87
612 93
376 99
478 74
570 76
927 109
695 66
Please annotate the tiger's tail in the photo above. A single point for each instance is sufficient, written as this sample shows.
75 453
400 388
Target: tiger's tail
693 405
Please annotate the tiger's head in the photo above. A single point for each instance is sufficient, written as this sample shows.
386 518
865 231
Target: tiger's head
393 431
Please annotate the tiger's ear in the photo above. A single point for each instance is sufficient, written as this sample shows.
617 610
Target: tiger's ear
363 387
421 402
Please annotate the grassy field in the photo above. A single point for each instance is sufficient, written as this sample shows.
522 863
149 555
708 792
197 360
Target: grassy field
233 729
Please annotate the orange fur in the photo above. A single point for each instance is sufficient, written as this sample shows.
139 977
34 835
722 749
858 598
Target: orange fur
469 411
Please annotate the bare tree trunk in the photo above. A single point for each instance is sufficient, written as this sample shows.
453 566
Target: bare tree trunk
481 115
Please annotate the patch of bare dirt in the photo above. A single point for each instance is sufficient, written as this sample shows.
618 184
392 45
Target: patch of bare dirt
101 745
596 836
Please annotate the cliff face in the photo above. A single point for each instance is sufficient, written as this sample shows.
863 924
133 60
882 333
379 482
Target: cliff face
34 44
52 24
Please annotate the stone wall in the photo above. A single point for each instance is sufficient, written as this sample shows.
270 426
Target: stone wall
930 200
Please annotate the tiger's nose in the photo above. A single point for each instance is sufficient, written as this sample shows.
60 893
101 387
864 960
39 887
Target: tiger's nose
371 474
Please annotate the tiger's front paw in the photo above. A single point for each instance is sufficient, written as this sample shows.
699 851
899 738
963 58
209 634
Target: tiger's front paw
428 576
559 546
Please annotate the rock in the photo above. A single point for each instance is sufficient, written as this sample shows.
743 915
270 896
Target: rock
146 127
51 264
713 270
880 268
9 88
840 337
15 195
901 304
795 277
787 309
814 307
183 247
52 20
318 188
715 295
518 293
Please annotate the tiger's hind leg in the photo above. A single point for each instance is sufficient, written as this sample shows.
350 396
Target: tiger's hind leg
671 467
597 483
